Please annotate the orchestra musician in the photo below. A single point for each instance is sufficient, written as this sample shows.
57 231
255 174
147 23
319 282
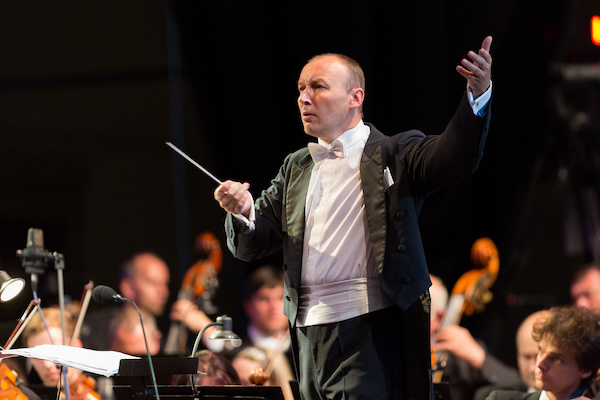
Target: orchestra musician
471 371
145 280
81 387
568 356
194 303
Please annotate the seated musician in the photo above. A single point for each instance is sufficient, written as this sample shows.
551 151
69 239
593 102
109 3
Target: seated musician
126 334
471 371
213 369
568 359
264 367
45 372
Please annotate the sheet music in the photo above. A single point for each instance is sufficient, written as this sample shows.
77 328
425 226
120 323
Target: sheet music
104 363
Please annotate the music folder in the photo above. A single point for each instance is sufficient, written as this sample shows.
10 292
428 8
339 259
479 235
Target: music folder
134 382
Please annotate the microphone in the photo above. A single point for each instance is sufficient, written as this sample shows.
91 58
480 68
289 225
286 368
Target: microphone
105 295
34 257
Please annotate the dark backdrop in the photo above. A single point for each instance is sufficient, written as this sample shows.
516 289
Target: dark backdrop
90 91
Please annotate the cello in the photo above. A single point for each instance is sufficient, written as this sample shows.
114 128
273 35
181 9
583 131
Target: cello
470 294
199 283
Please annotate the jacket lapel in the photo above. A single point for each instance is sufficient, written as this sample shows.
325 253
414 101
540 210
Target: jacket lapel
371 175
296 196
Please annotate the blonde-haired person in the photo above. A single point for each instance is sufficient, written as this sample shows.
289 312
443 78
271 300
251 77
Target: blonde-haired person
47 372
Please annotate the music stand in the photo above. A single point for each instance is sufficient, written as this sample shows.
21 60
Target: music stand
133 382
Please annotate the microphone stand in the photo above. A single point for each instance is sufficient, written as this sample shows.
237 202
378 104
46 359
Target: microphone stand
59 266
35 259
146 342
226 324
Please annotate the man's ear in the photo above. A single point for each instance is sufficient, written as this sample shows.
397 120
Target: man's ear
357 97
126 286
586 374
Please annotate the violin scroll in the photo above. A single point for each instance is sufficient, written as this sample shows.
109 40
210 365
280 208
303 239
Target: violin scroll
258 376
474 285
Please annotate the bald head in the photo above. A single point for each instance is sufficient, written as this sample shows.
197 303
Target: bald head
145 280
527 348
355 77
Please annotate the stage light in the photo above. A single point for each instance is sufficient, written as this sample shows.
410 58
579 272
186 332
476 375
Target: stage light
9 287
595 30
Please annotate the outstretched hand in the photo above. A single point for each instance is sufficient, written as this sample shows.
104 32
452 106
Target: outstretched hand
478 70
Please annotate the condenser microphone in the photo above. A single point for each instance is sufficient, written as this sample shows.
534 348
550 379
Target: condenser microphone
105 295
34 256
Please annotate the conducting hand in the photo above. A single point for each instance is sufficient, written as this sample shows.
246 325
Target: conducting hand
234 197
478 71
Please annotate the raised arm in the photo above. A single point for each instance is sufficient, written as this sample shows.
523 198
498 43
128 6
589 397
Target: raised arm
478 70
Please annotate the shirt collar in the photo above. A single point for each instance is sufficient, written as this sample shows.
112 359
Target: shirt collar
349 138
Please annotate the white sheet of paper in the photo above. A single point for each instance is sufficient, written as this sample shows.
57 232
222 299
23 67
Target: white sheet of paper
104 363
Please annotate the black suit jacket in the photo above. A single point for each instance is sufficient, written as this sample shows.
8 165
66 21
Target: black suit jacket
419 165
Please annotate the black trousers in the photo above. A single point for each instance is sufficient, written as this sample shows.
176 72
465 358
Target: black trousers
359 358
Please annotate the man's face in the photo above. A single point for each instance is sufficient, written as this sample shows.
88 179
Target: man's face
132 342
557 370
527 351
151 284
586 291
324 99
265 310
48 371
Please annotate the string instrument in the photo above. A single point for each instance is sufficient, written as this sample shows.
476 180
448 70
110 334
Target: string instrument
199 283
258 376
84 387
470 294
8 385
261 374
9 379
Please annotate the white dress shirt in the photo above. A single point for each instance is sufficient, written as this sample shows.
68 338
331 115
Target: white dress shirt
339 277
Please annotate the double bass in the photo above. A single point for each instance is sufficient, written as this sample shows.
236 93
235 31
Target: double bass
199 284
470 294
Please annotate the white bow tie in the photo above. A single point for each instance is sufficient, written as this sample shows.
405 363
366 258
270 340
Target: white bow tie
319 152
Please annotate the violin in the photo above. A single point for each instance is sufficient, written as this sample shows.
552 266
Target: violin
83 388
9 389
199 283
258 376
470 294
8 385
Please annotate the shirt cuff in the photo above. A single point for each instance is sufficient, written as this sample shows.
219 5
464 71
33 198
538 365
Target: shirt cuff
249 222
478 104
